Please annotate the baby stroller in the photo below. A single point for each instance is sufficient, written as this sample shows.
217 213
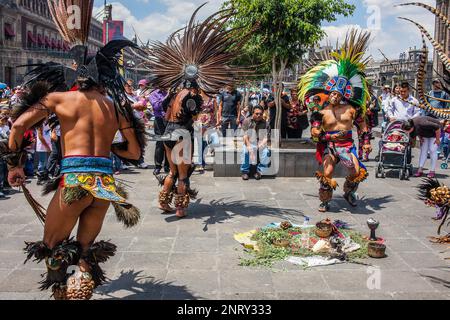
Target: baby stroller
395 151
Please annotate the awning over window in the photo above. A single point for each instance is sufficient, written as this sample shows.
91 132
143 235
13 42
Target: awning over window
9 30
47 42
53 43
59 44
40 39
31 37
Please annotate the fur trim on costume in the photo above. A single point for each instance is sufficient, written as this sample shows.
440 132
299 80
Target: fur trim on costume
363 174
128 214
326 181
72 194
99 252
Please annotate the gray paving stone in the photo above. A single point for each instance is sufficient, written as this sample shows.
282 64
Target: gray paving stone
404 281
197 258
246 281
406 245
195 245
248 296
306 296
24 296
420 296
299 281
151 244
373 295
192 281
439 278
11 259
13 243
346 280
22 281
421 260
193 261
8 229
138 260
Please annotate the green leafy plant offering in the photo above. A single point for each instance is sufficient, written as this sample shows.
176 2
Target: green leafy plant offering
269 253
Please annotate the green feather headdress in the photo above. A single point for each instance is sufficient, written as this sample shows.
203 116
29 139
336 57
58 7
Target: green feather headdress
343 73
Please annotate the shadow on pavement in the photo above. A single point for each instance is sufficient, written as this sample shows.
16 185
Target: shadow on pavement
437 280
365 206
141 287
219 211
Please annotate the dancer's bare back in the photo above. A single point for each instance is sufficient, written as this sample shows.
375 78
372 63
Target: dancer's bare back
88 122
88 126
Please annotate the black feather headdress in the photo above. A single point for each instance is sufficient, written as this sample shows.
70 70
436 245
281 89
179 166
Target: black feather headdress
197 55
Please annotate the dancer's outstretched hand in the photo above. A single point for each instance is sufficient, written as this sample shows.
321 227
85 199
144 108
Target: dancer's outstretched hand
16 177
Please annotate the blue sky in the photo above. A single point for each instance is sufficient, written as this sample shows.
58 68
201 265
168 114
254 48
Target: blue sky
156 19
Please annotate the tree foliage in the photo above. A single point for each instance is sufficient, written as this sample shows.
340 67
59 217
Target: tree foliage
286 29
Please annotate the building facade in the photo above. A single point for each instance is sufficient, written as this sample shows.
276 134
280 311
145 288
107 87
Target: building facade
442 35
404 68
28 35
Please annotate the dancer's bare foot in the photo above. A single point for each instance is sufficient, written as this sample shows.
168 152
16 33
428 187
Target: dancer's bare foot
84 266
181 213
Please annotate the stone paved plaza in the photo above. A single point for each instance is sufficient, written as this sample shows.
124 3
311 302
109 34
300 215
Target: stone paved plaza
197 257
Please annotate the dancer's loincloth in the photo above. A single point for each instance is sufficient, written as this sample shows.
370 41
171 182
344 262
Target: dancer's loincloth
343 150
176 131
93 175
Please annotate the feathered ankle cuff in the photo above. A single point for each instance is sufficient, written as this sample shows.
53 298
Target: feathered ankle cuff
363 175
327 182
57 260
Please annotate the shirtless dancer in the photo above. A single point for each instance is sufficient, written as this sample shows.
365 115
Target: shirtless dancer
332 126
190 69
89 120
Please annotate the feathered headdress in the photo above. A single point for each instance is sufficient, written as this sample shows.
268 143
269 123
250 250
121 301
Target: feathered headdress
343 73
198 55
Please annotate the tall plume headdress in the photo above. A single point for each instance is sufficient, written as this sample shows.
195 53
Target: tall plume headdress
198 55
343 73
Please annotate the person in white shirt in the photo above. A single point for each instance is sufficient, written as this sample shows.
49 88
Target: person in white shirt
43 149
404 107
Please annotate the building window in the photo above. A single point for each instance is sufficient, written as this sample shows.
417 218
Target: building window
31 40
9 31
